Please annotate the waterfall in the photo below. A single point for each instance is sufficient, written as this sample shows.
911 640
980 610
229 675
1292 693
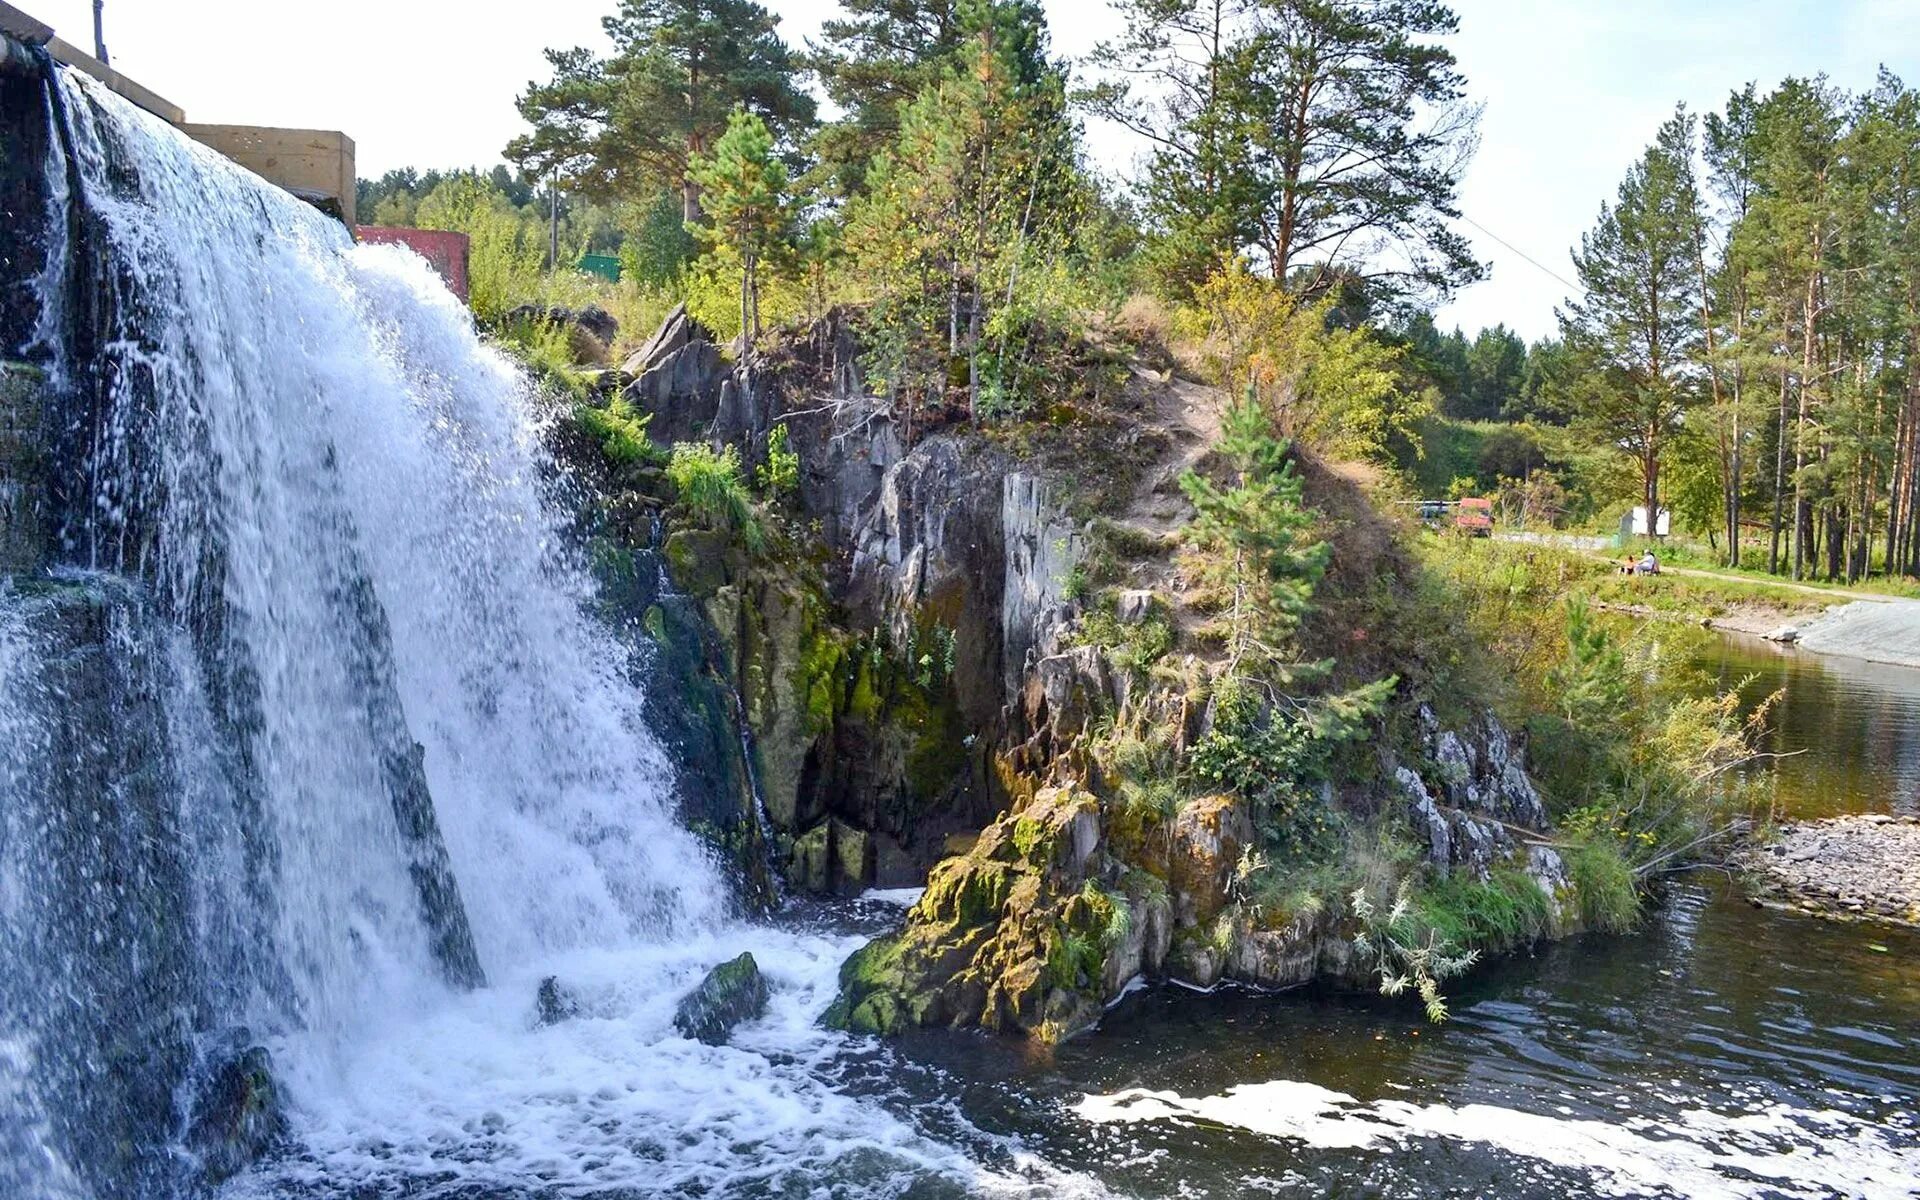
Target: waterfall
313 754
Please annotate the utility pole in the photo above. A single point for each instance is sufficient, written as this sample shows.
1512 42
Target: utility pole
553 227
99 35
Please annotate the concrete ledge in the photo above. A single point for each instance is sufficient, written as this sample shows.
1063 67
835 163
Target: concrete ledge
314 164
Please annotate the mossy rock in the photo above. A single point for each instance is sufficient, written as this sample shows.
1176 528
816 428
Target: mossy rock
697 559
732 992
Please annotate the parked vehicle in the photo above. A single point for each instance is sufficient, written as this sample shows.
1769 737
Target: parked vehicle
1474 516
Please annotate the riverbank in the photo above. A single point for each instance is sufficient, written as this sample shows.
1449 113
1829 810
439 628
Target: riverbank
1883 631
1843 868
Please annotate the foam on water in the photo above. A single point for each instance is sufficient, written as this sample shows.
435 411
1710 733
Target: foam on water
1774 1150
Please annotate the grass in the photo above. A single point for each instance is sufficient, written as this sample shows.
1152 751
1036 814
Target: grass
1609 901
1692 555
710 483
1507 911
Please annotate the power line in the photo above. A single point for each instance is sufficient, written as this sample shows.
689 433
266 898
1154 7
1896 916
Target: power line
1534 262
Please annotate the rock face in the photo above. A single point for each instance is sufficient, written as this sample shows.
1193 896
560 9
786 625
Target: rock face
24 530
732 992
1470 795
873 686
238 1118
1011 936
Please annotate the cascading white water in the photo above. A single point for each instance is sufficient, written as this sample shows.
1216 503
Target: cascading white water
317 514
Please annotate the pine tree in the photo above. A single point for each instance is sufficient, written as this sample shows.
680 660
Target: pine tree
626 126
983 180
1638 322
1322 133
874 61
744 189
1253 534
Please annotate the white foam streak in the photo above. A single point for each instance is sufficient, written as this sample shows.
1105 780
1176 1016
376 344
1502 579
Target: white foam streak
1773 1151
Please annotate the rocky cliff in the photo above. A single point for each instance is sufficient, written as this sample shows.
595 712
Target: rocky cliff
966 654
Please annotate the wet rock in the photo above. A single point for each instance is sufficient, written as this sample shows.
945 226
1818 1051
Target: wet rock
555 1003
237 1117
24 531
732 992
810 860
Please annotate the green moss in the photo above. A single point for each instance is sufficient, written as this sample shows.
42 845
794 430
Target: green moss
697 559
1030 838
654 621
1074 960
869 981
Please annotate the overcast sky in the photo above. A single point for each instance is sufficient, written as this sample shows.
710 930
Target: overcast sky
1573 88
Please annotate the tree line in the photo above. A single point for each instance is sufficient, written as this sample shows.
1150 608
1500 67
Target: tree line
1749 327
1318 142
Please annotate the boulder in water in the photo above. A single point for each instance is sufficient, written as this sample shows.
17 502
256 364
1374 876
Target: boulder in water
732 992
555 1003
237 1118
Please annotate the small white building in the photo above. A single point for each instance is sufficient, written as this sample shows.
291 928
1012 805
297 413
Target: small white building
1634 523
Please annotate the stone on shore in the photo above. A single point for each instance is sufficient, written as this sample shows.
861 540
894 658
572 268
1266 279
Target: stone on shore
1844 868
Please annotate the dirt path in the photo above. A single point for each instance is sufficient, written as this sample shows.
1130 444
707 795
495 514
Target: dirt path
1189 414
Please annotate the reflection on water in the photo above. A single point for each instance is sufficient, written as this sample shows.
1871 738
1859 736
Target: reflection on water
1855 724
1725 1051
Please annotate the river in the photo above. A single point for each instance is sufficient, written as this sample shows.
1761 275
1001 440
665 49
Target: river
1723 1051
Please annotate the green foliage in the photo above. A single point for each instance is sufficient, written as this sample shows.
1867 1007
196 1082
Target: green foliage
621 432
629 124
780 474
1298 132
546 348
1253 537
1074 959
504 252
1636 326
1272 757
875 59
1604 882
744 191
1505 911
1591 682
709 483
1134 647
1336 387
1402 952
961 234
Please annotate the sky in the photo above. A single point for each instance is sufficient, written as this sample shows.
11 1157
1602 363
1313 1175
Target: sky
1573 89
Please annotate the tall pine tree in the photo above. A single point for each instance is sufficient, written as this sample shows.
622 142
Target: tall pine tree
626 126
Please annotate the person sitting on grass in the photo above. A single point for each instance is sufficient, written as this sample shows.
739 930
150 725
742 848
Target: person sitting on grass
1649 565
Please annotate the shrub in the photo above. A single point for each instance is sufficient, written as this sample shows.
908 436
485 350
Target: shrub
621 432
709 484
780 474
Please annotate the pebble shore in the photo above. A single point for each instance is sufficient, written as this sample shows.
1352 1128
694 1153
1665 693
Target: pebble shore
1847 868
